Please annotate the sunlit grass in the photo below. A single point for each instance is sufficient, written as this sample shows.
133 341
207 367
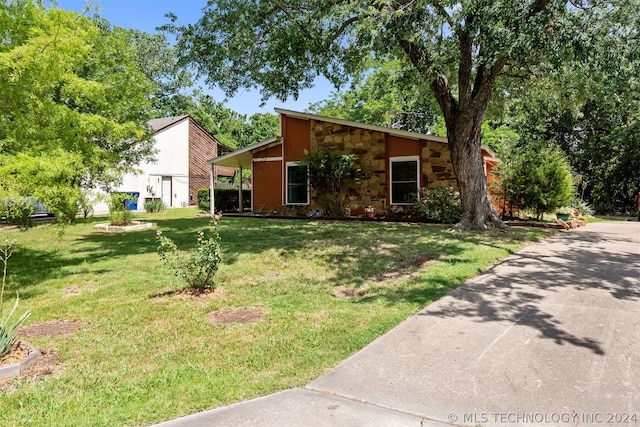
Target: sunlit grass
326 289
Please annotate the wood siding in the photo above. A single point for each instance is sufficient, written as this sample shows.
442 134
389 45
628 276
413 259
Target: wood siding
275 151
398 146
267 185
297 138
202 147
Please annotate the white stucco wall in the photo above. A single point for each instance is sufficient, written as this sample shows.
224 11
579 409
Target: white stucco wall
172 163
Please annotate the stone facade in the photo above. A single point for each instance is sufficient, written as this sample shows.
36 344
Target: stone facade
371 151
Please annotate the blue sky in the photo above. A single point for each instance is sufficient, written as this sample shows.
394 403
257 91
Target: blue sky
146 15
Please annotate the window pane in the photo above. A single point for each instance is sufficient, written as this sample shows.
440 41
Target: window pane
404 171
405 192
297 184
404 181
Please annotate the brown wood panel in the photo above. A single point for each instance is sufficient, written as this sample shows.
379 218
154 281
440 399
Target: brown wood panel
398 146
202 147
275 151
297 138
267 185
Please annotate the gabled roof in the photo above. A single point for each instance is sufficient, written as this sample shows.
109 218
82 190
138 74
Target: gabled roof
158 124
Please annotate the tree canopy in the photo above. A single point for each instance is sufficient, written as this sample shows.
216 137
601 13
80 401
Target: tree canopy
74 105
458 49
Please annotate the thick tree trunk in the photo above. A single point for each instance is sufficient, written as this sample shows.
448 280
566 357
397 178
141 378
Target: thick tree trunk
478 210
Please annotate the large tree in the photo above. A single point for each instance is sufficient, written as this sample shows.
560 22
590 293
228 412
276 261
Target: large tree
457 48
73 105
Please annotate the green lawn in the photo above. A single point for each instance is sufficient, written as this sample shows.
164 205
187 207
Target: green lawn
146 355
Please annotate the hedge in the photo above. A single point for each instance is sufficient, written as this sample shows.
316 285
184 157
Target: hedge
226 199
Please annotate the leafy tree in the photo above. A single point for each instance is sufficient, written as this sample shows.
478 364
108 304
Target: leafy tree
383 95
535 177
73 106
458 49
591 109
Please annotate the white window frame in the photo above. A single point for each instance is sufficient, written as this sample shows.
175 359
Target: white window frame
399 159
286 193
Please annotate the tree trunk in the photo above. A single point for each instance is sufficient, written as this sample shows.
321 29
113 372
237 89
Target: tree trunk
466 155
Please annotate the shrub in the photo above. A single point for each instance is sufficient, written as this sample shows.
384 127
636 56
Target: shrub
154 206
17 210
605 208
329 172
118 212
583 207
8 328
204 199
199 267
536 177
227 199
440 204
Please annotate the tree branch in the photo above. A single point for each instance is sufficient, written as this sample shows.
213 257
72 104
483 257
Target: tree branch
344 26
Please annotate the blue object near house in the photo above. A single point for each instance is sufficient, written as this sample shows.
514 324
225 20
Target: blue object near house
132 203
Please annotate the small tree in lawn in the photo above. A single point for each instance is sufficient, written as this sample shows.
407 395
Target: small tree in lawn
329 172
536 177
198 267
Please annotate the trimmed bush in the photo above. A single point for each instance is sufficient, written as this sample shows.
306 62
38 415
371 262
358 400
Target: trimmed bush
119 214
440 204
227 199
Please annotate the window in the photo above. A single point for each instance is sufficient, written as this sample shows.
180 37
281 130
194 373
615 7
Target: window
297 184
404 175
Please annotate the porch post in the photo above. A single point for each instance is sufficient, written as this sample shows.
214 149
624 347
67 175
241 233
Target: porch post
240 204
212 203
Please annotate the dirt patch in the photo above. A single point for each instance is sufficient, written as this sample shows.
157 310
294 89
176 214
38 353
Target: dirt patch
408 267
49 328
346 292
48 364
190 294
236 315
77 290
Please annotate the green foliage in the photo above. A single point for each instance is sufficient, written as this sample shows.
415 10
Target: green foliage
199 267
74 106
8 328
154 206
227 199
17 210
590 108
537 178
440 204
204 199
386 95
584 209
119 214
329 172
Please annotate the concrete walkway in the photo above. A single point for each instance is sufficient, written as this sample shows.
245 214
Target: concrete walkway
550 336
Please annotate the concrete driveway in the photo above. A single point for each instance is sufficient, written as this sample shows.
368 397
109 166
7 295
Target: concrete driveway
550 336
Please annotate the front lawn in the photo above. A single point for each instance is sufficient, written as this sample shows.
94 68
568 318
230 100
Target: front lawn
146 354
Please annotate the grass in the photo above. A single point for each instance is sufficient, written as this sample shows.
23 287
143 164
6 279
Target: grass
146 356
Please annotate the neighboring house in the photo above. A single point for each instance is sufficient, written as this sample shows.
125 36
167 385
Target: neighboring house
396 163
180 167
